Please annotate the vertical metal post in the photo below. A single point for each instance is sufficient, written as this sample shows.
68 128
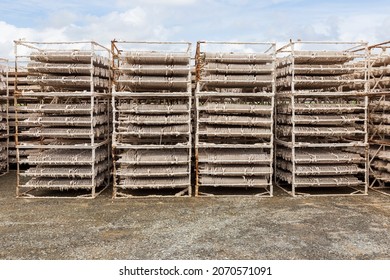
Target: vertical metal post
367 92
197 140
197 89
16 120
293 186
273 121
92 135
189 92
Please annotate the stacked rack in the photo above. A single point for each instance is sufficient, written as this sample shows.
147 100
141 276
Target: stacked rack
11 113
62 119
379 116
152 119
4 127
234 118
322 118
23 85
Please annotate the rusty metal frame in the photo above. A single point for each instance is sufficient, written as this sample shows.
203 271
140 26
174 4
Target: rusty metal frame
291 95
11 114
4 103
64 98
378 95
120 146
203 94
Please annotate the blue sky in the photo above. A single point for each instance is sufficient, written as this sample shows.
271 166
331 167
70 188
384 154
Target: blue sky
192 20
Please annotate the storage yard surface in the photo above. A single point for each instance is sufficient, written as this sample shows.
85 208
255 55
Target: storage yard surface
281 227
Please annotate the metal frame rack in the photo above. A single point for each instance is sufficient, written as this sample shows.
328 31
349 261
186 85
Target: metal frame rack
23 85
62 119
4 126
379 117
234 100
151 119
321 118
11 118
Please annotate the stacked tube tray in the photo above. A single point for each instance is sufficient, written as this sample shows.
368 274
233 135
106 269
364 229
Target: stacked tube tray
234 100
321 118
379 117
4 126
11 120
151 119
62 117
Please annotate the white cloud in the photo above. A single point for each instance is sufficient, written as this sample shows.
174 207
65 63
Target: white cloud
136 16
60 19
146 3
131 24
362 27
8 34
192 20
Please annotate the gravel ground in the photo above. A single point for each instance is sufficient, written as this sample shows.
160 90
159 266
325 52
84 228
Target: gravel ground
281 227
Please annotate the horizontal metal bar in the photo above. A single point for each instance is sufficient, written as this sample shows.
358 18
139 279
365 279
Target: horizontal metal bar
124 94
232 94
153 42
236 43
130 146
234 146
62 94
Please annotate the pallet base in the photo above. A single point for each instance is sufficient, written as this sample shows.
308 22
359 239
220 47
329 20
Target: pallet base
62 194
150 193
380 187
208 191
322 191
